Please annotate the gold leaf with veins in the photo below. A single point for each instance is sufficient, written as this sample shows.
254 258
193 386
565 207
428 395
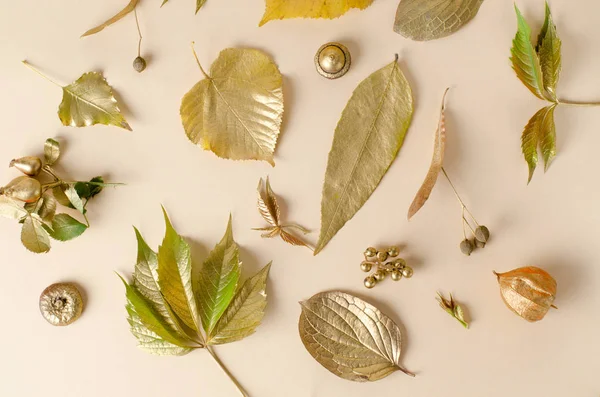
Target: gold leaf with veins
236 111
33 235
367 139
245 312
329 9
89 101
423 20
548 50
349 337
51 151
128 8
437 162
539 131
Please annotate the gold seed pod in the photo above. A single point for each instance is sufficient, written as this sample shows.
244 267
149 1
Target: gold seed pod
399 263
366 266
393 252
139 64
382 256
407 272
528 291
396 275
479 244
29 165
466 247
370 252
379 275
482 234
23 188
370 282
61 304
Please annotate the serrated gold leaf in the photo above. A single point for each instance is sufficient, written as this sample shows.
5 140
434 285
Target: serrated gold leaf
548 138
524 59
245 312
423 20
51 151
437 161
329 9
536 130
33 235
128 8
291 239
236 111
267 203
349 337
367 139
548 49
88 101
218 279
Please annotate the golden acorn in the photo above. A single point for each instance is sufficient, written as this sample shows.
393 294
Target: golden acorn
29 165
528 291
23 188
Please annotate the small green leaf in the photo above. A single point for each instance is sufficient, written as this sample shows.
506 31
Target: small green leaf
548 138
74 198
548 50
96 185
218 280
539 131
59 194
524 59
51 151
65 228
33 235
82 189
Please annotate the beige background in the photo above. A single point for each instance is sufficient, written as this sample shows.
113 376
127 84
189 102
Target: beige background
553 223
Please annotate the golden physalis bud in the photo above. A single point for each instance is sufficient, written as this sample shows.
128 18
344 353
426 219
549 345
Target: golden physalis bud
528 291
23 188
29 165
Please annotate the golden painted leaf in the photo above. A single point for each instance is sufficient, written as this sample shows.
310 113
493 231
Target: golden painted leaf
536 130
267 203
89 101
548 50
11 208
524 59
236 111
329 9
199 4
51 151
423 20
367 139
33 235
218 280
128 8
291 239
349 337
548 138
175 276
437 162
245 312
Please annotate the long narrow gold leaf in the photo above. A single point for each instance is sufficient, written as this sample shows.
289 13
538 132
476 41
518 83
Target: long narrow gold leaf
218 280
437 161
433 19
128 8
548 49
245 312
349 337
367 139
329 9
175 276
524 59
267 203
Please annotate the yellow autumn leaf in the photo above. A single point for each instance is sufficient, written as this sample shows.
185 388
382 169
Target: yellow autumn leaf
328 9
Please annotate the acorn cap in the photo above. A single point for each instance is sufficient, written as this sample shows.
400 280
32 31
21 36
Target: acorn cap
332 60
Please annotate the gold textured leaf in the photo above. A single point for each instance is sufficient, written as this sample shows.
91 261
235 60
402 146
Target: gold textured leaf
33 235
12 209
423 20
218 279
539 131
349 337
245 312
89 101
175 276
439 146
236 111
524 59
128 8
267 203
51 151
329 9
291 239
199 4
367 139
548 49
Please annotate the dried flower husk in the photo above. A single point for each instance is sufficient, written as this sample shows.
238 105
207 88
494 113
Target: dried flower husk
61 304
528 291
29 165
23 188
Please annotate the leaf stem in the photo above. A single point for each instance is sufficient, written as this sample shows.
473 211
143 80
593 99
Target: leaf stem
462 204
578 104
407 372
40 73
198 62
137 23
47 169
218 361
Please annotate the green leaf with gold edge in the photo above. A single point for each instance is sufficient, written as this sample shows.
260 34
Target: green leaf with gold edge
65 228
367 139
548 49
540 128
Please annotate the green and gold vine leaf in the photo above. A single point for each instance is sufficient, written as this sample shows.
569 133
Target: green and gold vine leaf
146 325
89 101
51 151
128 8
145 280
65 228
437 162
524 59
199 4
328 9
548 49
74 198
423 20
548 138
218 280
367 139
245 312
175 276
350 337
536 131
236 111
33 235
